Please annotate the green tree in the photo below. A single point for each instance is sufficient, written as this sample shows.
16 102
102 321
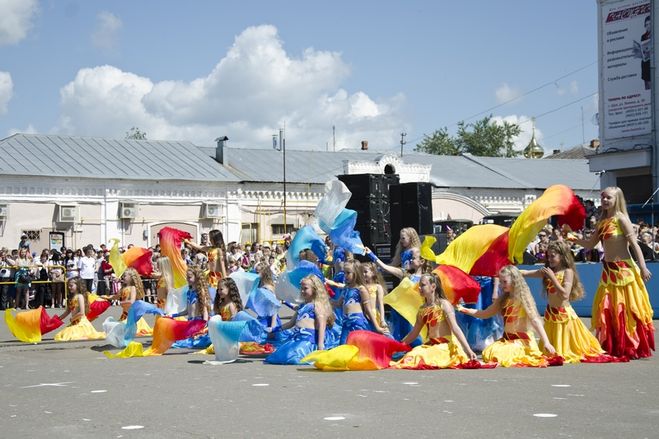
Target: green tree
480 138
135 134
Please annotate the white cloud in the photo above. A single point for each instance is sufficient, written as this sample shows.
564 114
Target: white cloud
253 90
30 129
107 31
16 19
6 91
506 93
524 137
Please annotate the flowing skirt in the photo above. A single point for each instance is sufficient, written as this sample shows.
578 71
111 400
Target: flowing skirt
515 350
80 330
439 353
622 315
571 338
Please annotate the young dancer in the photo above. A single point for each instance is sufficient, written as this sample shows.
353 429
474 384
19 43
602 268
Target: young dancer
440 350
357 308
217 260
77 305
376 288
517 347
198 297
307 330
132 290
564 329
622 315
227 300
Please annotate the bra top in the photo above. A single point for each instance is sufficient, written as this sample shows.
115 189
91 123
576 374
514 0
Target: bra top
351 295
432 315
609 228
225 313
512 311
549 285
308 311
373 291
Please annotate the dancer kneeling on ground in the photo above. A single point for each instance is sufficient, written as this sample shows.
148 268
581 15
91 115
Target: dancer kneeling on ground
77 304
441 349
517 347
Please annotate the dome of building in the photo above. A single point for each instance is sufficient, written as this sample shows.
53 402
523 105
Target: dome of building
533 150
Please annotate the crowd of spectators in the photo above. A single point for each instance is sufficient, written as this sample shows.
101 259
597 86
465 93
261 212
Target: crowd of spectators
31 279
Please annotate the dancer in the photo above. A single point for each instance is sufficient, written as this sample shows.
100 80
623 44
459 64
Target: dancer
440 350
376 288
132 290
517 347
357 309
622 315
165 281
217 265
308 327
198 304
409 238
564 329
77 305
262 299
227 300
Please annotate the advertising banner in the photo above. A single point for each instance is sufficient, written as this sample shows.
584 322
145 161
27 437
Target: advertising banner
627 55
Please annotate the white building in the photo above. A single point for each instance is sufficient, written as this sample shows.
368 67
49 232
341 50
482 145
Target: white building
74 191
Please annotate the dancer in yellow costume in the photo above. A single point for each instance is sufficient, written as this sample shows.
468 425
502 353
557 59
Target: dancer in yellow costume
564 328
132 290
517 347
77 305
217 263
446 345
622 315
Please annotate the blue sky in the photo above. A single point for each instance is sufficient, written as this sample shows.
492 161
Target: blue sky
199 70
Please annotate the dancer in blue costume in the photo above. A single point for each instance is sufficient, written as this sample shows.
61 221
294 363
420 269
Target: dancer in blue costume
263 300
308 330
481 333
198 308
356 302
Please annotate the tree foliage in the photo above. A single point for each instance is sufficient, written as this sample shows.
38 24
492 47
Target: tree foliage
135 134
481 138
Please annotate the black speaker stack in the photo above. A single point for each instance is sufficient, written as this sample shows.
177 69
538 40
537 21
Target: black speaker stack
384 207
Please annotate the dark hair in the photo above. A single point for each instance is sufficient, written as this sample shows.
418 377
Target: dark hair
234 295
216 238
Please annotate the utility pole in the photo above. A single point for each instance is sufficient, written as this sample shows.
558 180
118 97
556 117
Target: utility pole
402 142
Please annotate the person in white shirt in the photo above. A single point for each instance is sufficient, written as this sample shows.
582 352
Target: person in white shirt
87 268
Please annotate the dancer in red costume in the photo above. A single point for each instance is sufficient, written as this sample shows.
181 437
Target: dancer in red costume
622 315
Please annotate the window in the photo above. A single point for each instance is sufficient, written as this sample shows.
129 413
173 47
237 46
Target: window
278 229
249 232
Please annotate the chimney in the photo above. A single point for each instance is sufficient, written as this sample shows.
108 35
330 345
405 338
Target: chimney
364 145
219 150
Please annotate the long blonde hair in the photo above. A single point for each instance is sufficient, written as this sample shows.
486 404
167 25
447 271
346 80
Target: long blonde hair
201 287
521 290
415 241
620 203
136 281
320 298
567 260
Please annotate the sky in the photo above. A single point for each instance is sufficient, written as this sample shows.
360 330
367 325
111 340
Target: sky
331 73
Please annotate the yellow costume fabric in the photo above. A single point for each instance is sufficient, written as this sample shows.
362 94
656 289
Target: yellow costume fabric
569 336
25 326
406 300
143 328
81 329
436 353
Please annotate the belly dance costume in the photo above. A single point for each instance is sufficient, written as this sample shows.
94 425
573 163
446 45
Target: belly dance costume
143 328
435 353
213 276
78 329
515 348
298 342
353 321
622 315
568 334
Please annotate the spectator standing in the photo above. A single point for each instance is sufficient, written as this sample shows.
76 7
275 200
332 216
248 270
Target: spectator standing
87 268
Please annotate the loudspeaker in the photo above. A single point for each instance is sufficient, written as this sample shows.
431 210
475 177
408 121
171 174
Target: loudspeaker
370 199
411 206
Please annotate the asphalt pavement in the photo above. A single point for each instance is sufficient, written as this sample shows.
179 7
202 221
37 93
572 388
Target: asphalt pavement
71 390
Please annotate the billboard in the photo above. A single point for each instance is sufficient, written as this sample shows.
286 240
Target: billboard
627 54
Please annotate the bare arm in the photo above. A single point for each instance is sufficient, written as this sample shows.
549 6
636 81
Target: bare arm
290 323
320 324
380 304
586 243
80 310
488 312
368 310
394 271
455 328
540 330
630 235
532 273
414 333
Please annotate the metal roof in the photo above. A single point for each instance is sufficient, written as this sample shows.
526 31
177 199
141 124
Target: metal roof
94 157
265 165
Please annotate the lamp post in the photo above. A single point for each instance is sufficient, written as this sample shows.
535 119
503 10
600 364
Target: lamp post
282 147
